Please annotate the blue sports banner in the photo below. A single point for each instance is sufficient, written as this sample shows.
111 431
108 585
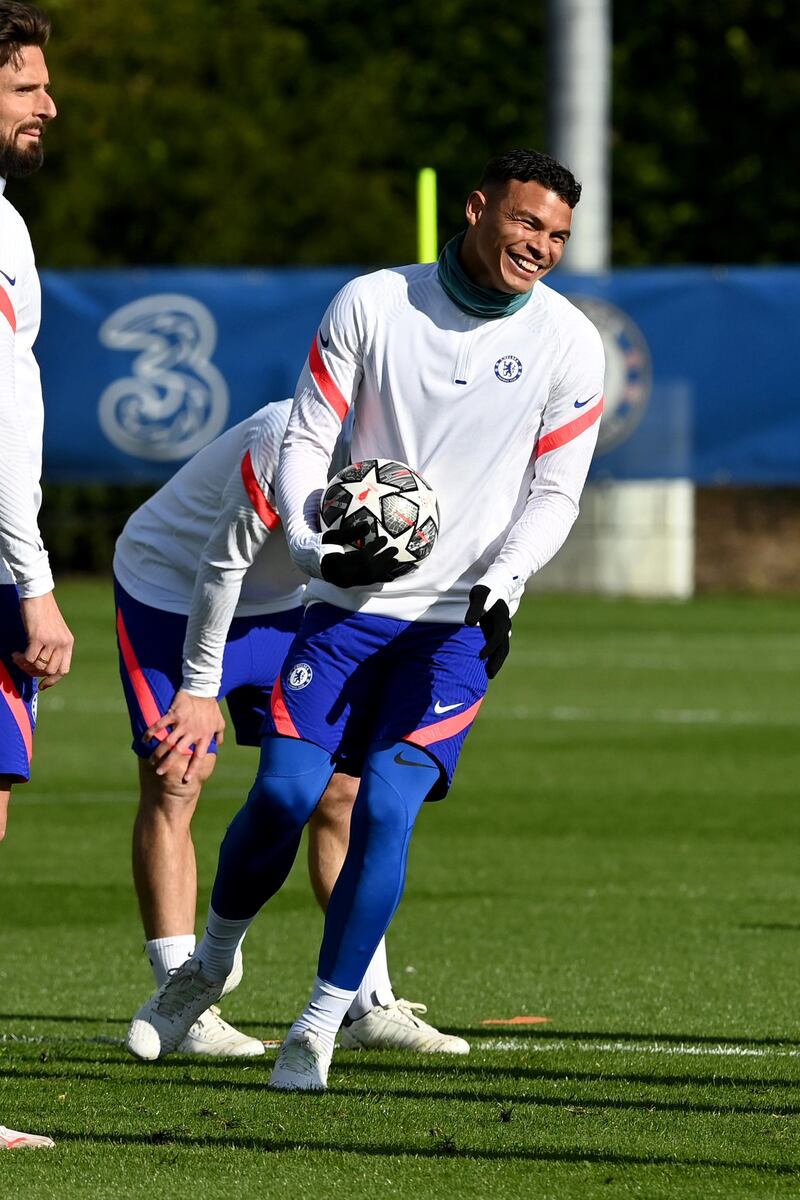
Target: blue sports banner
143 367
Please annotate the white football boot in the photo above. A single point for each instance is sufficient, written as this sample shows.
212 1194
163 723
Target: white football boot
210 1034
302 1064
237 972
396 1026
163 1022
12 1139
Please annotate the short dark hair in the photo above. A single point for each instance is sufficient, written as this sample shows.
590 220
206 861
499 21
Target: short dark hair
530 166
20 25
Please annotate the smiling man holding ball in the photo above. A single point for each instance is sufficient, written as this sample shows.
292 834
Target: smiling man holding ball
489 388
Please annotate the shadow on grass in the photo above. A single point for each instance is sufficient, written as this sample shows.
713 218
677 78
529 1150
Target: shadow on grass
61 1060
533 1073
577 1104
472 1032
445 1148
772 927
59 1018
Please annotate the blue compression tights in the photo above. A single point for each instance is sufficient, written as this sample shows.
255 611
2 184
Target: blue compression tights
396 780
262 841
261 844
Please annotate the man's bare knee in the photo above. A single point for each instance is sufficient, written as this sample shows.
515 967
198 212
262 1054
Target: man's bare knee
5 796
329 832
168 794
337 802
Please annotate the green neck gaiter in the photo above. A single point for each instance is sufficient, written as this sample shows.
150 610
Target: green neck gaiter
470 297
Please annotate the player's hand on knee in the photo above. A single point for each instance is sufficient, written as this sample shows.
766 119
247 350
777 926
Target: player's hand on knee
364 566
187 751
495 623
48 655
190 723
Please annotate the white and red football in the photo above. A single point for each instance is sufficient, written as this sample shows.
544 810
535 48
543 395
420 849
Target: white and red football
389 499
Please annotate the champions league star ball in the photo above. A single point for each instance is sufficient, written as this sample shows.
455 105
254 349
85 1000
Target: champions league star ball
391 500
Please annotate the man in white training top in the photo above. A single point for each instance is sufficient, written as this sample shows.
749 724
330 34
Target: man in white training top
35 643
208 602
488 383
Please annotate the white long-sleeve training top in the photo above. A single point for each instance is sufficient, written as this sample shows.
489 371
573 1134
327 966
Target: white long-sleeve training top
23 558
500 416
201 545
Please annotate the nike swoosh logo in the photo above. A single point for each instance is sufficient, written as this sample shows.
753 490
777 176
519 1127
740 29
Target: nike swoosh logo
8 277
407 762
582 403
325 342
443 708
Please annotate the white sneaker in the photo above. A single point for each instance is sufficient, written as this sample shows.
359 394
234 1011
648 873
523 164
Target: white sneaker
235 977
302 1064
12 1139
396 1027
211 1035
163 1022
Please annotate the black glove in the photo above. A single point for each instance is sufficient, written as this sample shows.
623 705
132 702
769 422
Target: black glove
496 627
365 566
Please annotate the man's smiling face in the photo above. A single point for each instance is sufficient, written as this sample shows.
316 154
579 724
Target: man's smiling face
25 110
516 234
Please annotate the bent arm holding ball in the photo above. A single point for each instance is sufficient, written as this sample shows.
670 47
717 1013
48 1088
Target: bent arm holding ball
325 392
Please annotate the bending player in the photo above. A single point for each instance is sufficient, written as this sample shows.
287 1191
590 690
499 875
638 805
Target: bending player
35 643
188 634
490 385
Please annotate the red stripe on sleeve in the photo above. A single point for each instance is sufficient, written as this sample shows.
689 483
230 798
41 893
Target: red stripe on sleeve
447 728
7 309
325 382
256 493
280 713
560 437
19 712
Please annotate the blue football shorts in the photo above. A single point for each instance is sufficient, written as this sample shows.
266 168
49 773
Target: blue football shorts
150 645
351 679
17 692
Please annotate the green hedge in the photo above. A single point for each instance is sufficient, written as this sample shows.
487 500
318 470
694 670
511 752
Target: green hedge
81 522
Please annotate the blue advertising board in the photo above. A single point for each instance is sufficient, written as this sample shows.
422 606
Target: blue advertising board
143 367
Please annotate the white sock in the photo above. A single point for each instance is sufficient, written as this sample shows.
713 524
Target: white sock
167 953
218 945
376 986
324 1012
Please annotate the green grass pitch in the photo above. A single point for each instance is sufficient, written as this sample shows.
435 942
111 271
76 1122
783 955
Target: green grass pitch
620 854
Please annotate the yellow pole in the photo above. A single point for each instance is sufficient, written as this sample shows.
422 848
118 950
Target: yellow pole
427 235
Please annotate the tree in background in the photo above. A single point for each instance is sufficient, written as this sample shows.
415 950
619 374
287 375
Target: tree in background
240 131
705 115
289 132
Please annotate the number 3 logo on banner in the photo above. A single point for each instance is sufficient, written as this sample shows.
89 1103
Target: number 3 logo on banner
176 401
